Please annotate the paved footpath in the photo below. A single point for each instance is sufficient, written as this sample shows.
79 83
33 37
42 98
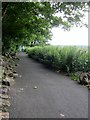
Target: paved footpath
56 95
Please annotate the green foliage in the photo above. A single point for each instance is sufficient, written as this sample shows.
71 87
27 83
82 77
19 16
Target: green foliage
30 23
67 59
75 76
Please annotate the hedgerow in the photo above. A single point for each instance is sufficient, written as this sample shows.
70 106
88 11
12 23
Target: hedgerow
67 59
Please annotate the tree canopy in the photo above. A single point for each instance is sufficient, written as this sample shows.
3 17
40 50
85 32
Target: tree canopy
30 23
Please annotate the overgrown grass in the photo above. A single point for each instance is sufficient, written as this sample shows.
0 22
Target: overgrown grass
68 59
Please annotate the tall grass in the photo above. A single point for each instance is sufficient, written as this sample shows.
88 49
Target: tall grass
67 59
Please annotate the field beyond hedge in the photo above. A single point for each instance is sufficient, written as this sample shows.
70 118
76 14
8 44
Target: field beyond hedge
67 59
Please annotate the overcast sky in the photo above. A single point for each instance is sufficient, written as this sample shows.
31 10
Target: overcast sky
76 36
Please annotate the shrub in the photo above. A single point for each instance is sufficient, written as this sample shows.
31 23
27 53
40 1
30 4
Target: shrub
67 59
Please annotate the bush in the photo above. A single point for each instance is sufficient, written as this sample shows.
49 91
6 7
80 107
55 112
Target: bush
67 59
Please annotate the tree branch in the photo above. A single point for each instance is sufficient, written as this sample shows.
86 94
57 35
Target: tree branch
4 9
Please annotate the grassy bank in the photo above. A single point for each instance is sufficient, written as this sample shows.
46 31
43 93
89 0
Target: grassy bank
67 59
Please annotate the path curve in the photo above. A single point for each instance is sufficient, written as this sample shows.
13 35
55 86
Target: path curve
56 95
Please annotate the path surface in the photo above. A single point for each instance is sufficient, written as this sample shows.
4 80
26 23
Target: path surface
56 96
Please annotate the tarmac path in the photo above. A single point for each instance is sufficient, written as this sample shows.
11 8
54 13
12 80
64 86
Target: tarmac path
55 96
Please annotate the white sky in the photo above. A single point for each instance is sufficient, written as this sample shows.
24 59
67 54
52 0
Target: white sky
76 36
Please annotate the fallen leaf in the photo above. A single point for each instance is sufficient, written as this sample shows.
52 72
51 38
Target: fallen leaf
20 76
21 89
35 87
62 115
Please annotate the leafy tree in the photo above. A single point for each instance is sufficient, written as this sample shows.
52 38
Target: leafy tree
30 23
